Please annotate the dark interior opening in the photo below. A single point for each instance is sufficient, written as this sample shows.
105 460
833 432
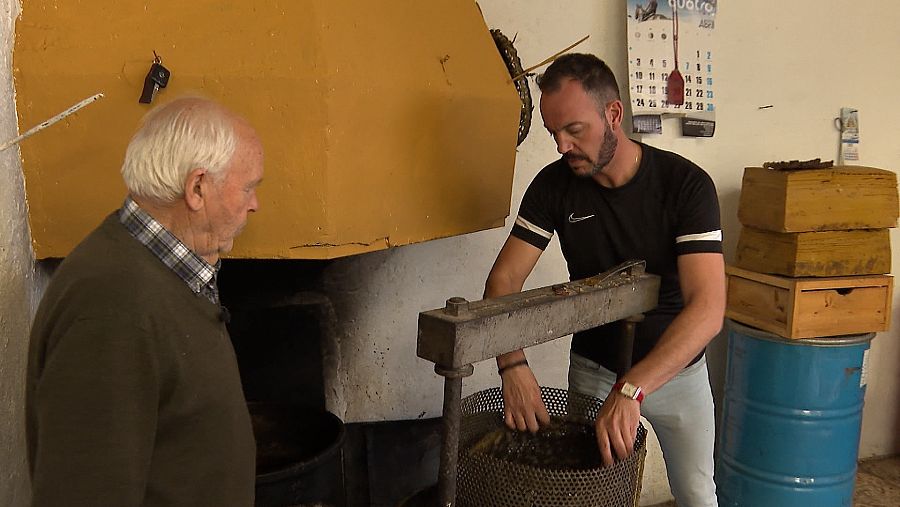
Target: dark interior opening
281 321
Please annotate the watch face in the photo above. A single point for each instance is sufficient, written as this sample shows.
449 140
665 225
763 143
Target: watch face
629 390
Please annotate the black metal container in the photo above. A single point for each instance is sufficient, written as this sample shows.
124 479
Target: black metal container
298 456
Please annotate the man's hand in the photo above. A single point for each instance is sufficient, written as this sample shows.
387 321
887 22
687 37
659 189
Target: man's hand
616 427
523 406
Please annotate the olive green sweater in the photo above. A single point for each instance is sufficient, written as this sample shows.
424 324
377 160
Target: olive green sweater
133 393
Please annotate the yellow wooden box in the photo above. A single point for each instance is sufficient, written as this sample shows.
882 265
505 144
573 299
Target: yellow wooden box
825 253
809 307
839 198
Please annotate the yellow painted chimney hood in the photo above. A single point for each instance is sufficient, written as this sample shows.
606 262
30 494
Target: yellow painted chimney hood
385 123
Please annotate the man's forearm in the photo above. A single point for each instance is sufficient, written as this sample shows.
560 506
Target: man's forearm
508 274
686 336
702 280
498 285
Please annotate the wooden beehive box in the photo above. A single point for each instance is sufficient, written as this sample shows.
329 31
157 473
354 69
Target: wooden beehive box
809 307
826 253
838 198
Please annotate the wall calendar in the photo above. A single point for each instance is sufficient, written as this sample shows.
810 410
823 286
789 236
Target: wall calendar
671 63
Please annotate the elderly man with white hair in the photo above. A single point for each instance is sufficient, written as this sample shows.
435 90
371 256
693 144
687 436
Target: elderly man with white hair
133 393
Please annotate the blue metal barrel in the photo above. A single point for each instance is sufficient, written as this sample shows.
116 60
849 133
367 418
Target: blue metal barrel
790 420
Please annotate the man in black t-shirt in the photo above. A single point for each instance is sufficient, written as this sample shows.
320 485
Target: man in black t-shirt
611 199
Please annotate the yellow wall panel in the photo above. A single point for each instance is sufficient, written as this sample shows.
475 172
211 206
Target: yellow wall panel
384 123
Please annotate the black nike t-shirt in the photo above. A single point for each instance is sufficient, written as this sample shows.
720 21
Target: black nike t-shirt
669 208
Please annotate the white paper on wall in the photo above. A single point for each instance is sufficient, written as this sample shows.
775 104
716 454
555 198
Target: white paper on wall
849 125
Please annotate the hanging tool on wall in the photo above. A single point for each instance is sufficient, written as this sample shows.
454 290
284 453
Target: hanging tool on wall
46 123
157 78
675 83
514 66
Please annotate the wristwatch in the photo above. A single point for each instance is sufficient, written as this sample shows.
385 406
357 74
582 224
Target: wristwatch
629 391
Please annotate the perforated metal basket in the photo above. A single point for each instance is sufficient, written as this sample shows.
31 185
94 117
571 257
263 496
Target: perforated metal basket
486 481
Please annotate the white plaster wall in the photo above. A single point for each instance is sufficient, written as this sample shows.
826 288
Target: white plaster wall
16 284
806 57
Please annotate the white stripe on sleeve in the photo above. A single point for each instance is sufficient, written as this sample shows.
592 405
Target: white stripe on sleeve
703 236
521 222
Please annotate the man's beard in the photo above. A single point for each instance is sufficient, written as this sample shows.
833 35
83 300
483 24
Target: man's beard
604 155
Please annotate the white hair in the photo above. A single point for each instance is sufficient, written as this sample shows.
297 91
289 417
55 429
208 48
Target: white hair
173 140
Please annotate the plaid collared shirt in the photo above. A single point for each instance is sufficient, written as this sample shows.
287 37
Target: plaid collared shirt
198 274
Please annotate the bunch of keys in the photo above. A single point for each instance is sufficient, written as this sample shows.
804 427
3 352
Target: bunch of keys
157 78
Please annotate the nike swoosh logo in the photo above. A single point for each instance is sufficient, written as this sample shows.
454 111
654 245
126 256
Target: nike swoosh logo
573 218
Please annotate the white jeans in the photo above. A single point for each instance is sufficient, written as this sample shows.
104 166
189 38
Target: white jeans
682 415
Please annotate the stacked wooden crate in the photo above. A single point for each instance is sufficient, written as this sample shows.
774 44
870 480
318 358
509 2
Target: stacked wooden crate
814 251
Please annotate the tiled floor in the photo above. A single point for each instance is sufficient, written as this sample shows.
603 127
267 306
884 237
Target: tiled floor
877 484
